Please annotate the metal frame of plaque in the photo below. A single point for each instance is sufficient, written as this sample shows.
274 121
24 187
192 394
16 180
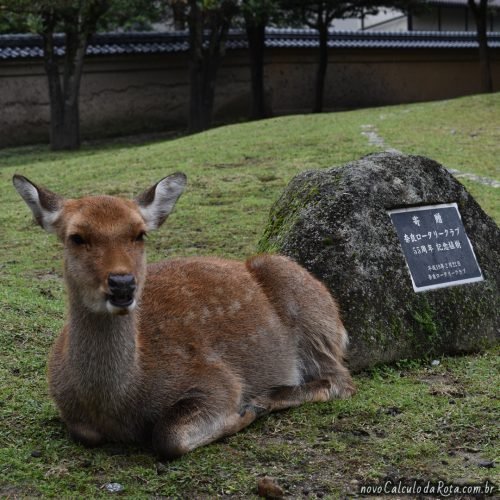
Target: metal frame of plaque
437 250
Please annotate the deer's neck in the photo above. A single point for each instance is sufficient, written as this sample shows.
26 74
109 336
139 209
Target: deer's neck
102 348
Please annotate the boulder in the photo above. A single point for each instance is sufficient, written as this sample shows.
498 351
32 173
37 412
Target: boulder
335 223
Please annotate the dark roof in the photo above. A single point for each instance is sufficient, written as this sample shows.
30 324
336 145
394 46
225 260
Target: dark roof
30 46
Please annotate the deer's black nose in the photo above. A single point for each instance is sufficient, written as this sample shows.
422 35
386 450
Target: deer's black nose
121 284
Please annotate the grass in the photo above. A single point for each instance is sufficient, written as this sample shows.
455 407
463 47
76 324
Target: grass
409 421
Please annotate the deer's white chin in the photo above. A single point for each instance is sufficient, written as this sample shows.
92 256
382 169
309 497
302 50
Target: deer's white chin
120 310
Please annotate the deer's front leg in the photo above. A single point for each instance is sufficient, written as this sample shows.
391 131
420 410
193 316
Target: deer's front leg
85 434
194 422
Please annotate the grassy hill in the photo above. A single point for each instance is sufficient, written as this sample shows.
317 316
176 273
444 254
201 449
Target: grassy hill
407 421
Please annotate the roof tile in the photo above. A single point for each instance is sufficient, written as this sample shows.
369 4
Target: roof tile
30 46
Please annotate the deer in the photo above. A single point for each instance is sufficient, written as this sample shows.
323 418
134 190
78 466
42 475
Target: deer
183 352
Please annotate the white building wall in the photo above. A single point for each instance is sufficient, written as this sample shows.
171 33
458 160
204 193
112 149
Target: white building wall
447 18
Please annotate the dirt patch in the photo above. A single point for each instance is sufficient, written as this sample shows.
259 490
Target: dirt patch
48 275
443 384
14 492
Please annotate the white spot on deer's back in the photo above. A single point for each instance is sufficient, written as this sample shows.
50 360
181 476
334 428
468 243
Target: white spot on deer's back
292 308
249 296
189 318
234 307
204 314
213 357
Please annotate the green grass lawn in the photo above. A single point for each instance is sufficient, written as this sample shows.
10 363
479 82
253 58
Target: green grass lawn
409 421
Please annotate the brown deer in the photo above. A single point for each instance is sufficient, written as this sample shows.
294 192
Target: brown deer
182 352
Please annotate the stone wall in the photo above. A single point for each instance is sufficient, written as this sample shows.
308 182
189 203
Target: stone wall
128 94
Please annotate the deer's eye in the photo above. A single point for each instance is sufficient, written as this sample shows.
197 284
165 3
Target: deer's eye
141 236
77 239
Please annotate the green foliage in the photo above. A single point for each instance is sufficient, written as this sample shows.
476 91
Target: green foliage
428 324
18 16
409 420
10 22
261 12
133 15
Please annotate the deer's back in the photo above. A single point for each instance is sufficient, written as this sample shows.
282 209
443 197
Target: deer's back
206 315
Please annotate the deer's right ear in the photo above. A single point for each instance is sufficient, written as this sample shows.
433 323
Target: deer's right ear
45 205
157 202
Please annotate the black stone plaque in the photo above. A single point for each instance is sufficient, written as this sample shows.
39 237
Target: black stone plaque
436 248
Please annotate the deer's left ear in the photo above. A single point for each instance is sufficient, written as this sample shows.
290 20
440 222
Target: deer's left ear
44 204
157 202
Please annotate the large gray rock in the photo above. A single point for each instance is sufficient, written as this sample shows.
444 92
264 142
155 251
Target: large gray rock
335 223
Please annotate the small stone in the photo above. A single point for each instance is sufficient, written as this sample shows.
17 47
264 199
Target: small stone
36 453
435 362
161 468
360 433
392 411
113 487
488 464
267 487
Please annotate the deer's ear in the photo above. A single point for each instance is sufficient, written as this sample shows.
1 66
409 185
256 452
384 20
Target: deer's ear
45 205
157 202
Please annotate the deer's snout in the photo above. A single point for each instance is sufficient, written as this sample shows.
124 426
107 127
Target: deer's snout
121 283
121 290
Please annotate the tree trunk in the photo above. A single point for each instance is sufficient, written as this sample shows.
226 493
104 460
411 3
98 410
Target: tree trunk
64 126
64 98
179 14
481 17
64 113
54 83
197 110
78 24
195 122
202 90
322 66
204 62
256 36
